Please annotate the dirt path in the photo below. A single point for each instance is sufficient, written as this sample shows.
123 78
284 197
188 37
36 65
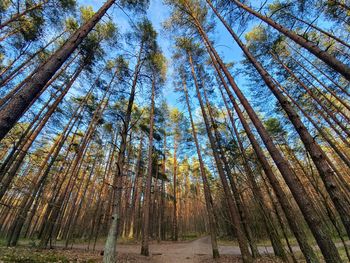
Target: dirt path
184 252
179 252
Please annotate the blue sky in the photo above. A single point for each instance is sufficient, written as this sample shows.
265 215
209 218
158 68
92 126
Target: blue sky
158 13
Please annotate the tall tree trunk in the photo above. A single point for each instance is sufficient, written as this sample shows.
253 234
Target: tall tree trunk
9 65
331 79
318 29
137 190
74 169
111 242
314 96
334 94
326 137
240 206
267 216
13 72
64 136
18 87
147 197
35 193
243 244
20 102
206 187
23 138
290 178
310 46
72 223
318 156
162 219
12 172
174 225
99 206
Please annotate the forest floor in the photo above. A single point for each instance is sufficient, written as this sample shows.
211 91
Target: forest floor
195 251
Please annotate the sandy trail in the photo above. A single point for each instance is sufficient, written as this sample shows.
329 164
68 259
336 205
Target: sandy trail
172 252
178 252
184 252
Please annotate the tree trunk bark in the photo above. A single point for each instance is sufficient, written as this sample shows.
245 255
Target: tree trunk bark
318 156
111 242
290 179
20 102
147 197
243 244
9 76
267 216
331 79
240 206
5 183
137 189
174 226
310 46
342 101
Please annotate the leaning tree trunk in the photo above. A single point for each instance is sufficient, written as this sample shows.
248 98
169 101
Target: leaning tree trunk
174 225
71 229
12 172
284 200
107 170
19 103
240 206
326 137
162 227
22 52
5 79
318 29
318 156
314 96
267 215
27 203
316 78
310 46
322 237
243 244
22 140
74 168
331 79
77 113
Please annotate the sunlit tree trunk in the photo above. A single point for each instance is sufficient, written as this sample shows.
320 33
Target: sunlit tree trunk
309 73
310 46
240 206
267 216
297 230
174 225
318 156
20 102
12 172
36 192
8 77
